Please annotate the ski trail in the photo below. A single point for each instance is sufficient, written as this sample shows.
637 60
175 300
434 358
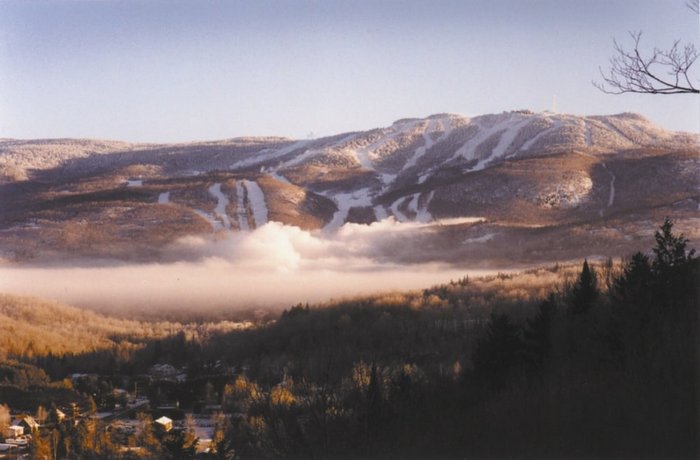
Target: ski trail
222 202
506 140
413 204
216 224
256 198
380 213
362 154
401 217
423 215
269 154
164 198
589 135
420 151
241 211
345 201
530 142
611 195
309 153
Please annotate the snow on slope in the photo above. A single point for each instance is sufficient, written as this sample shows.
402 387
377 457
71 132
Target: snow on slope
241 211
446 126
345 201
400 216
269 154
381 214
503 128
256 198
361 169
221 203
215 223
423 215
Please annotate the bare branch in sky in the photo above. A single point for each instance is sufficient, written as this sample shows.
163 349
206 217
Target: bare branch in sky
661 72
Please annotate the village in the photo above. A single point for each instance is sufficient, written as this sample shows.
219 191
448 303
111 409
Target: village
164 406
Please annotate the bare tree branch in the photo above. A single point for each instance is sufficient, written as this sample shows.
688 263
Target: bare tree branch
663 72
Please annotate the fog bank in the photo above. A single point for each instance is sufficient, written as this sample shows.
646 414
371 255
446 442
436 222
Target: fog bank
274 266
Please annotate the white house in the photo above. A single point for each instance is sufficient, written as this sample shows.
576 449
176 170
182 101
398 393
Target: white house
14 431
164 423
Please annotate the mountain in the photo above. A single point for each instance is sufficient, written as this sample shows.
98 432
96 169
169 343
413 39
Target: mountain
516 186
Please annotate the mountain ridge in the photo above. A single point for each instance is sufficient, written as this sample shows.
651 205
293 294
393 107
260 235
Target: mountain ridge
518 168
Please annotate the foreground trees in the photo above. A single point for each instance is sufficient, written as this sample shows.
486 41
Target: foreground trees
606 366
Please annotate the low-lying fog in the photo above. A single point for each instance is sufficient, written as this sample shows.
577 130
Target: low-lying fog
274 266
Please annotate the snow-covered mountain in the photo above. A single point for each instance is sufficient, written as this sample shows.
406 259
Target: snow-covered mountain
514 169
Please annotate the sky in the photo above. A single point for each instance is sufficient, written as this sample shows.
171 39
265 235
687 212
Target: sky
173 71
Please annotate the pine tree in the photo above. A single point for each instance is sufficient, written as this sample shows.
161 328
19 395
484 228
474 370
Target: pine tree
670 250
498 353
585 291
538 334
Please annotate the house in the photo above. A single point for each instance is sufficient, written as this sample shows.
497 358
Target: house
164 423
28 423
14 431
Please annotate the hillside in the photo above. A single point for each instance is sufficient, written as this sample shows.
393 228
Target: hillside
536 181
32 327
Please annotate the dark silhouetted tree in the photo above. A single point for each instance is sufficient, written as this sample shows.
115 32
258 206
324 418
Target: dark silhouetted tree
585 291
498 353
671 250
538 334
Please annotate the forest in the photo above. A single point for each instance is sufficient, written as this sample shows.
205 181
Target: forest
594 360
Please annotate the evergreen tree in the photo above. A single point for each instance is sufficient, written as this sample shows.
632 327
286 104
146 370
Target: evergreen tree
585 291
498 353
538 334
670 250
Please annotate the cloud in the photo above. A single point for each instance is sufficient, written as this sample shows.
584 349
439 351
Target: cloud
273 266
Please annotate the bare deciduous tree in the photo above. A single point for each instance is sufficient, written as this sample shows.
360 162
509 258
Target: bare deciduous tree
661 72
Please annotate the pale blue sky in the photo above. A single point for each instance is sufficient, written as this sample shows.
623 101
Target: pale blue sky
167 70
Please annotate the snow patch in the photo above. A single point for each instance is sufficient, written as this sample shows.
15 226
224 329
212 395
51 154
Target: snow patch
256 198
589 135
530 142
345 201
221 203
380 212
164 198
423 215
460 221
134 183
480 239
420 151
270 154
241 211
611 195
216 224
401 217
